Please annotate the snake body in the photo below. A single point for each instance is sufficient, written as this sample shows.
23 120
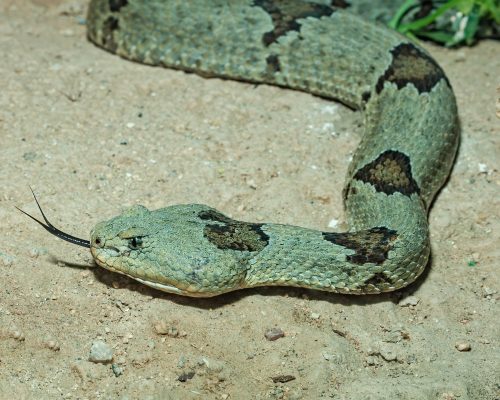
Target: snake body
406 152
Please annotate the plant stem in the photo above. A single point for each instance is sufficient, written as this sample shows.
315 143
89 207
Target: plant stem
420 23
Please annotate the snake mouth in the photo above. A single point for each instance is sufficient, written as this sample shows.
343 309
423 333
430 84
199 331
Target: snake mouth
155 285
102 260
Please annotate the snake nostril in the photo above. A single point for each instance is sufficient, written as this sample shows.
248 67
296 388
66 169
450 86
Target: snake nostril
98 241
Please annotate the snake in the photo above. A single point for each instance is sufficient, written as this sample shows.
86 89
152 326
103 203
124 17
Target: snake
410 139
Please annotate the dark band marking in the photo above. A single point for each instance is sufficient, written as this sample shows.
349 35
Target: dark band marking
273 64
115 5
389 173
285 15
366 96
411 65
232 234
236 235
378 279
339 3
108 27
213 215
370 246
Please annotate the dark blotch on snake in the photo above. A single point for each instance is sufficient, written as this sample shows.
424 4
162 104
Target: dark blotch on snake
115 5
339 3
366 96
108 27
273 64
411 65
370 246
212 215
236 235
285 15
379 279
389 173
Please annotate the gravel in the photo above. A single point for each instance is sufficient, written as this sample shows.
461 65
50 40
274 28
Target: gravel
100 352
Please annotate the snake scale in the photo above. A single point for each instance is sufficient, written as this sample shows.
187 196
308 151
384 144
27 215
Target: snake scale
405 155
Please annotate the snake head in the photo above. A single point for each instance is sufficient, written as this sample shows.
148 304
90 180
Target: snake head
128 244
165 249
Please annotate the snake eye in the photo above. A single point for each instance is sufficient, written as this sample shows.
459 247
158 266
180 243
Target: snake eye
135 243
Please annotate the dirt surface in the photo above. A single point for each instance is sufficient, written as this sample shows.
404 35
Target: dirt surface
94 134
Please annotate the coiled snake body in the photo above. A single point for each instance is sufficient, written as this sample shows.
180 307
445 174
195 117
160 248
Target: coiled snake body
406 153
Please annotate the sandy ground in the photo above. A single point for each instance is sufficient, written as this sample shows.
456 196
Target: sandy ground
93 134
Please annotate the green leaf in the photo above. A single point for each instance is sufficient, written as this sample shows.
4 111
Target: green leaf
438 36
453 22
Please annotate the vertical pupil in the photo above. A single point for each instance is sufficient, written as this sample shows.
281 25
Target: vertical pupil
135 242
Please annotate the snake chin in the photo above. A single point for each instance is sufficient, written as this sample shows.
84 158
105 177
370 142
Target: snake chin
156 285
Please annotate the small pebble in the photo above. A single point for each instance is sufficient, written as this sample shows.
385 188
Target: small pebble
17 335
334 223
53 345
162 328
488 291
483 168
372 361
315 315
388 351
211 365
251 183
100 352
463 346
117 370
388 355
185 376
36 252
181 362
283 378
274 334
6 259
409 301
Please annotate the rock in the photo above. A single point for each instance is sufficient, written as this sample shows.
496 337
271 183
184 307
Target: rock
100 352
463 346
53 345
315 316
274 334
388 351
409 301
388 355
185 376
117 370
283 378
162 328
488 292
17 335
37 251
6 259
